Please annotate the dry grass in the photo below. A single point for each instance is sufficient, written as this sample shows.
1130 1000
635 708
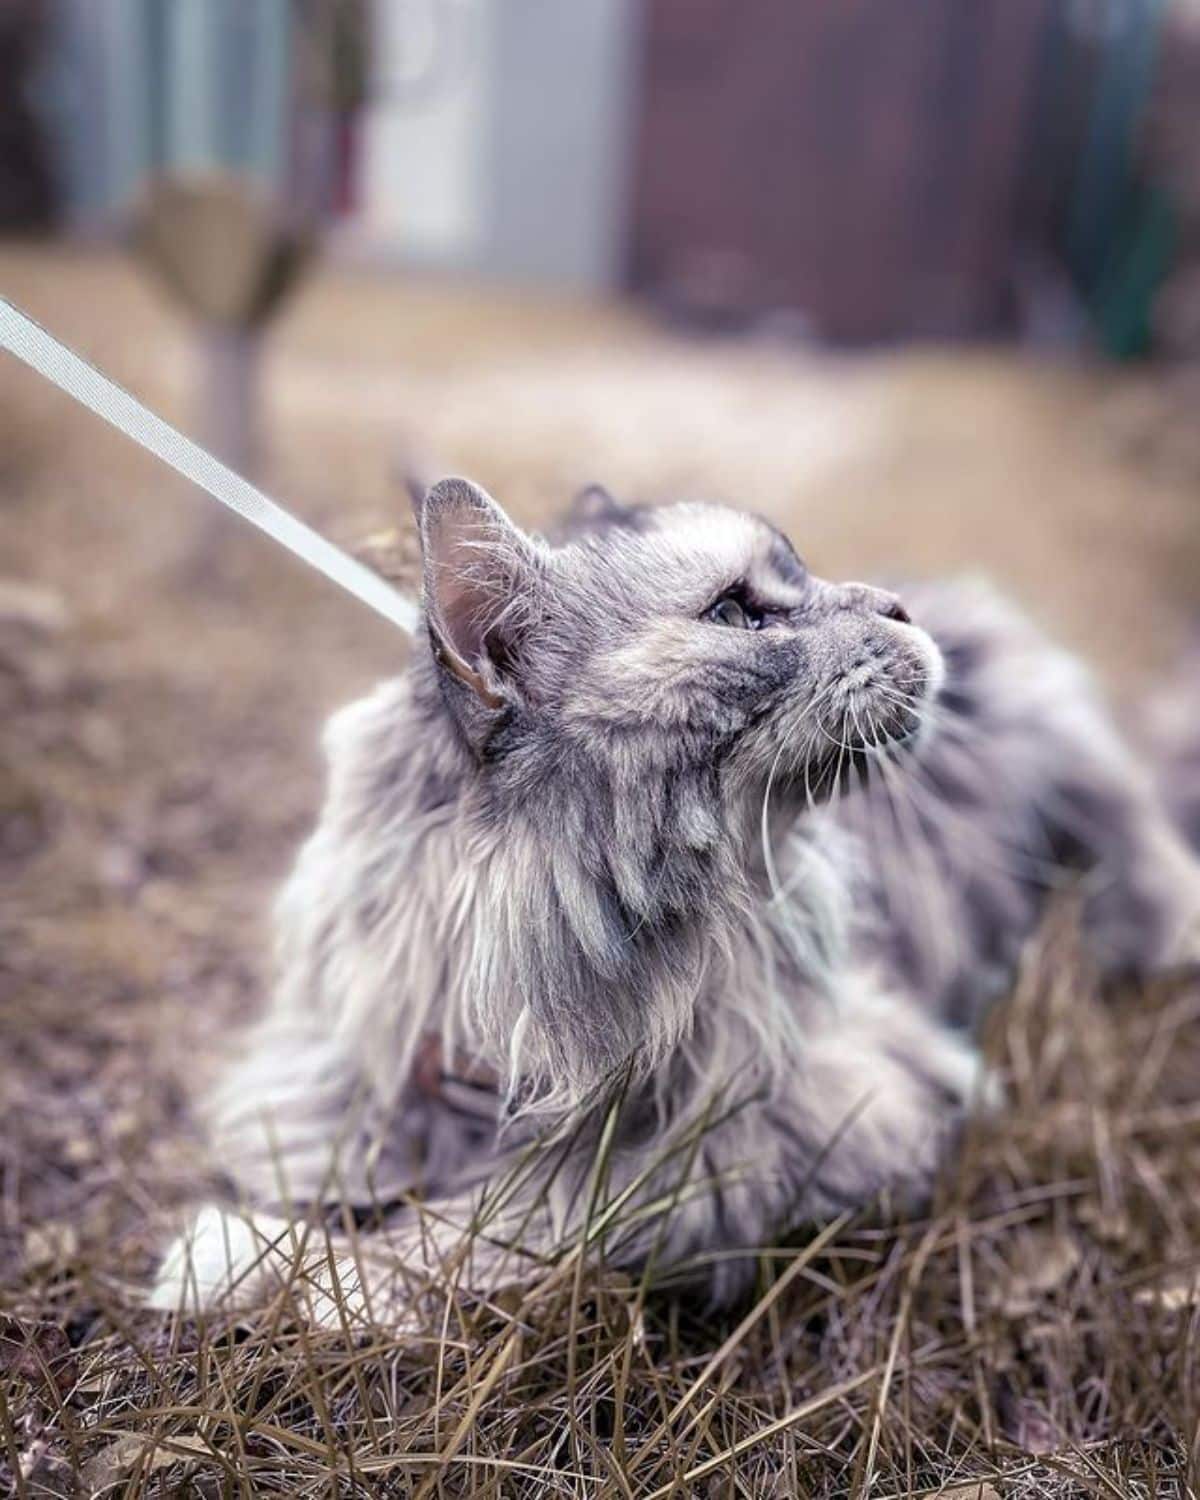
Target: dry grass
1038 1331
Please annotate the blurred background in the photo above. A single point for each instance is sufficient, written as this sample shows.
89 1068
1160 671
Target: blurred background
670 244
921 282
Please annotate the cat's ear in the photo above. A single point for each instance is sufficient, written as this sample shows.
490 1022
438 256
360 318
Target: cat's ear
593 506
480 576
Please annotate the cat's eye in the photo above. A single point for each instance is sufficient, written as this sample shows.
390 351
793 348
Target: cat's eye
735 612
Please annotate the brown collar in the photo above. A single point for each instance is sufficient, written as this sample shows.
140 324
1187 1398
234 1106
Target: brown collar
466 1085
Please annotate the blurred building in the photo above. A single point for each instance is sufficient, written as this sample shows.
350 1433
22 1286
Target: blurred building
871 170
501 136
482 135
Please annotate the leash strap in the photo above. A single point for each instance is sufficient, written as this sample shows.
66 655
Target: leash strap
42 352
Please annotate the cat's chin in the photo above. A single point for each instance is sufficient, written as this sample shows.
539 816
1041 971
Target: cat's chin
891 732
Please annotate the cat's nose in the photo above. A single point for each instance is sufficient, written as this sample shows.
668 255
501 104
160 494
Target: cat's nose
878 601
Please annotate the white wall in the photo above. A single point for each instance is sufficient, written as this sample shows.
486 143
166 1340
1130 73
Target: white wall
423 133
499 139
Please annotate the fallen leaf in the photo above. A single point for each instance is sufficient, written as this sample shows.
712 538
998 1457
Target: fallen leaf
37 1352
189 1443
50 1244
1041 1264
392 553
1030 1427
1109 1227
1173 1293
131 1451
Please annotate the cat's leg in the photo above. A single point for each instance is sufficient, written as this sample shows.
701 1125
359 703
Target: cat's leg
881 1093
296 1122
872 1105
473 1241
274 1122
298 1132
232 1260
1141 884
1095 802
291 1122
1025 779
290 1125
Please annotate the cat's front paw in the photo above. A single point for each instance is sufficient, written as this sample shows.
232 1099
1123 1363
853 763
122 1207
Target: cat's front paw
237 1262
895 1089
223 1259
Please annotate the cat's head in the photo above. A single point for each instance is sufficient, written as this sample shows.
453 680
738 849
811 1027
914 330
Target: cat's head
658 642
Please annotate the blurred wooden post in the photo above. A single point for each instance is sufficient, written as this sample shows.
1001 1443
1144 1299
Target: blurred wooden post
230 358
230 253
230 211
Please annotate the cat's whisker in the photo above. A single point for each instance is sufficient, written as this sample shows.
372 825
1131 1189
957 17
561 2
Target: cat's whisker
964 756
914 890
942 930
778 893
1008 858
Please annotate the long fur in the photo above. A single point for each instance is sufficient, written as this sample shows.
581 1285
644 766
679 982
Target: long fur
601 843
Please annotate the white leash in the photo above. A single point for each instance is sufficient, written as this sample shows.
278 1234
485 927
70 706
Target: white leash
42 352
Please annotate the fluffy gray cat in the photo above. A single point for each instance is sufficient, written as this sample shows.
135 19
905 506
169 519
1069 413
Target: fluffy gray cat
655 816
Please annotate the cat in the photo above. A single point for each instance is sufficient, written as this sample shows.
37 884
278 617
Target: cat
657 816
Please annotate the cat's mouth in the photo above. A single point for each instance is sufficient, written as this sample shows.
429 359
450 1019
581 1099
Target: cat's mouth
851 746
880 705
875 703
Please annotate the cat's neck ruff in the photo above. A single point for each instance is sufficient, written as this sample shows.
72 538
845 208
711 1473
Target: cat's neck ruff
415 908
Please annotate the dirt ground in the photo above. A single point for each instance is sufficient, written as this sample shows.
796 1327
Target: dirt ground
164 672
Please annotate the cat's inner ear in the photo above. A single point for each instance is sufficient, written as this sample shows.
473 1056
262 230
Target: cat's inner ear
479 574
